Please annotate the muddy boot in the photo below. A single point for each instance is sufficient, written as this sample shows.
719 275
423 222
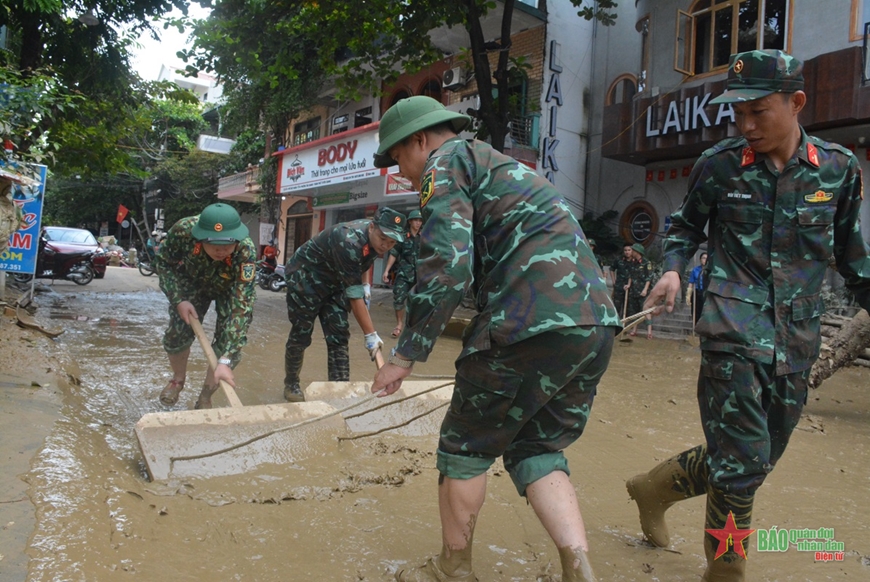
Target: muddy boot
293 356
575 565
730 565
169 395
450 565
676 479
204 400
293 393
338 363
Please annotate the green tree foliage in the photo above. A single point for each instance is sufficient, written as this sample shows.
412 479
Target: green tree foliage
84 64
28 103
188 183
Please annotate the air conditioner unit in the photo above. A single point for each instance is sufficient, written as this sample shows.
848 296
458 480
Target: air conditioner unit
453 78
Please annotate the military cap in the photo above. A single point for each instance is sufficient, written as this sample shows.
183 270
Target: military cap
637 247
415 214
219 224
591 242
409 116
756 74
391 223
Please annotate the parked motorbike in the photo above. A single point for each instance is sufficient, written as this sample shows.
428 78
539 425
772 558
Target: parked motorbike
276 280
264 271
146 267
51 263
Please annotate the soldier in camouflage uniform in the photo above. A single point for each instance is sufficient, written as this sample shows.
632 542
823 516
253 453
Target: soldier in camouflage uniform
777 205
325 279
535 352
640 273
207 258
404 256
620 273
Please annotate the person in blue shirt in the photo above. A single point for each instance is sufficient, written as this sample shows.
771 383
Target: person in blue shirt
695 290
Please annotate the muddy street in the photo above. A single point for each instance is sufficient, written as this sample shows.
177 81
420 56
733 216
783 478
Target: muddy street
80 502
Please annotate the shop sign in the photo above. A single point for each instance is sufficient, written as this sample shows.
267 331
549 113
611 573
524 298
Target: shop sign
25 205
554 98
641 226
331 199
686 115
398 185
339 161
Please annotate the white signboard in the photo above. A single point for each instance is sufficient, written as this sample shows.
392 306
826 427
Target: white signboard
346 157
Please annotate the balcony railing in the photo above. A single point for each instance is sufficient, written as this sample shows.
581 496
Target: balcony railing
242 186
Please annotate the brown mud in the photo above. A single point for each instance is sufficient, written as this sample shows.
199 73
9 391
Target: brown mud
77 506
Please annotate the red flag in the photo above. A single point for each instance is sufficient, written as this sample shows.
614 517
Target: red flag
122 212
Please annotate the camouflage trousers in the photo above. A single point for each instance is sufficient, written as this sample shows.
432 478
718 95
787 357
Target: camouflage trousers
526 402
402 287
332 312
635 303
619 300
748 414
179 336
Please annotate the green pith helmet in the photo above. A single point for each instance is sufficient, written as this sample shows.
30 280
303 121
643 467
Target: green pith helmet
219 224
638 248
415 214
409 116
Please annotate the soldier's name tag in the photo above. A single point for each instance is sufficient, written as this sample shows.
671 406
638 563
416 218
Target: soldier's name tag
248 270
738 196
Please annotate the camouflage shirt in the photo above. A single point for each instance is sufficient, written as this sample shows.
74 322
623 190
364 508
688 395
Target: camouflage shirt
406 253
331 262
497 227
640 272
771 235
622 267
186 271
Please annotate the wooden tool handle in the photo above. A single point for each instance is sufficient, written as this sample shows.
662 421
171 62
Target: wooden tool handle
231 395
379 359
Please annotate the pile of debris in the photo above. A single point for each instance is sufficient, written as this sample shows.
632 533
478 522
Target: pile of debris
845 341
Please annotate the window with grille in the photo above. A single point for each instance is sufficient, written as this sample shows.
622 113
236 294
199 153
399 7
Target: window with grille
306 131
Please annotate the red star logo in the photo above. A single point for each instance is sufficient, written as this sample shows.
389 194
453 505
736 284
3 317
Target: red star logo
730 535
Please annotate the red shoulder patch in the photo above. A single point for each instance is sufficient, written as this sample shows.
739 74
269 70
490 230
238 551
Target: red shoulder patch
748 157
813 155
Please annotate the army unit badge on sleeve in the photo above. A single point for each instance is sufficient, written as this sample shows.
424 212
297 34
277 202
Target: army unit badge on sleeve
427 187
248 271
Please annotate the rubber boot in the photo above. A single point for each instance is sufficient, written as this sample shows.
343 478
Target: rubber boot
204 400
678 478
730 566
338 363
575 565
450 565
293 357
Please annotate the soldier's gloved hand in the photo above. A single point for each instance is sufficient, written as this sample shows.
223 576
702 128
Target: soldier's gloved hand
689 300
367 295
373 344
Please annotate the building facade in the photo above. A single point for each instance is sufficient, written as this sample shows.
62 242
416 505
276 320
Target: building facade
326 172
657 69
